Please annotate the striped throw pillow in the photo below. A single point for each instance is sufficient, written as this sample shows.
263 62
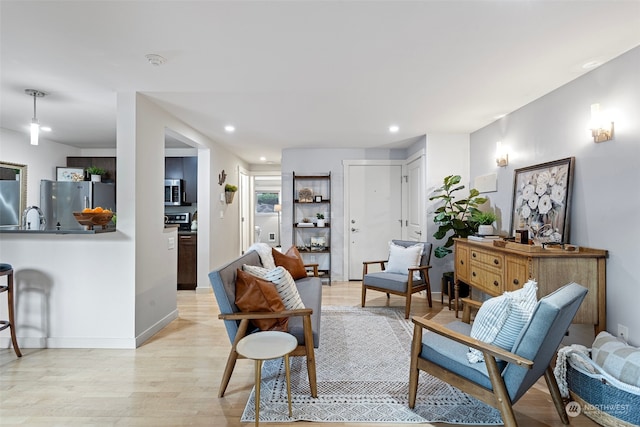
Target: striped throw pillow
284 283
523 302
487 324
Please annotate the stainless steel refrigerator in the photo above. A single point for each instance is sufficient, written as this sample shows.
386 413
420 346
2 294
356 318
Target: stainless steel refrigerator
59 199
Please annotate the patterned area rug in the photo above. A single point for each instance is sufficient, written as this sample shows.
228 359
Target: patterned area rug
363 376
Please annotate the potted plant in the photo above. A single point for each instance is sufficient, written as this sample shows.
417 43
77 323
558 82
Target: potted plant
485 222
229 192
96 173
320 219
454 217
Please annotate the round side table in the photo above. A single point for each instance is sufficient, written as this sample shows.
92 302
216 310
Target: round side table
267 345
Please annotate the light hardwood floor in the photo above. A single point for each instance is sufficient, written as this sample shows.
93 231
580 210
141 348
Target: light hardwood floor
173 379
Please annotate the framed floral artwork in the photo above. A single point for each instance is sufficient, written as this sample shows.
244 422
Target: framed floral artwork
542 200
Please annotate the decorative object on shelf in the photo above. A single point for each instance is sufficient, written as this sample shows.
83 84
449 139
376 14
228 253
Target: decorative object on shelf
67 174
222 177
318 244
320 219
454 215
317 199
96 173
542 200
485 222
305 195
229 192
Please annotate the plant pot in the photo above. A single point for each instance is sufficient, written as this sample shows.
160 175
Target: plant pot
485 230
320 223
228 196
96 178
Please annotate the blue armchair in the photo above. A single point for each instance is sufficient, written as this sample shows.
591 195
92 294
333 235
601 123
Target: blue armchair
506 375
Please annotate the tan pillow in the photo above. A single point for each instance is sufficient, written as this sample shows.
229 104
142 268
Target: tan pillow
291 261
257 295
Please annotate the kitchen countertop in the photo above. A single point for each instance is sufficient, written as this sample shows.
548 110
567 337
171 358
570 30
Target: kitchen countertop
19 230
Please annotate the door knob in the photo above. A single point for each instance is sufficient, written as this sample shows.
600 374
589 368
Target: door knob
353 221
419 233
354 230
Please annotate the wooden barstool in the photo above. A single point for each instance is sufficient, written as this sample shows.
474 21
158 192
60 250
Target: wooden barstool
7 270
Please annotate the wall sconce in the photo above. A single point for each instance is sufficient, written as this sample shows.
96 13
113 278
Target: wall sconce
502 156
601 127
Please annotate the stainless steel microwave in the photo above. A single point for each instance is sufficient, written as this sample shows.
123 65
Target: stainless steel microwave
173 192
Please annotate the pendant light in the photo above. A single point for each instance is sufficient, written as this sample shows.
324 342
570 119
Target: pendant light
35 126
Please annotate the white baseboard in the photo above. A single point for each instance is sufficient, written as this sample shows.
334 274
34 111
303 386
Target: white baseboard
154 329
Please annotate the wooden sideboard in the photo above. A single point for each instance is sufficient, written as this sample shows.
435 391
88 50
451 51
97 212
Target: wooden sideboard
493 270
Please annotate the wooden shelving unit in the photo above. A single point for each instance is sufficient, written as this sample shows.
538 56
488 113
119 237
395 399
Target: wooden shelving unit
312 195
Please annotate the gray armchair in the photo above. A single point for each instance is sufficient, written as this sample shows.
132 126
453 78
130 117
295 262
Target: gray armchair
396 283
506 375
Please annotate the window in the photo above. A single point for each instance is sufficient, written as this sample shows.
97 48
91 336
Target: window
266 200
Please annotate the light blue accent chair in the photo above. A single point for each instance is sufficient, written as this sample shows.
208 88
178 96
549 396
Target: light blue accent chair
399 284
506 375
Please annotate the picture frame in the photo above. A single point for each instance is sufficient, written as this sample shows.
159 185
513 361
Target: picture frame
317 199
66 174
541 200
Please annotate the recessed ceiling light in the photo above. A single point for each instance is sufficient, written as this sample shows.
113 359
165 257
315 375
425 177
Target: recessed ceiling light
263 158
393 128
155 60
229 128
591 64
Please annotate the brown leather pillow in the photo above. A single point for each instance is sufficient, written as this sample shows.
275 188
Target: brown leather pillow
291 261
258 295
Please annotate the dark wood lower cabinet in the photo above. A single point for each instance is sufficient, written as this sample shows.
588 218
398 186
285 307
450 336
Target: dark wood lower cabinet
187 261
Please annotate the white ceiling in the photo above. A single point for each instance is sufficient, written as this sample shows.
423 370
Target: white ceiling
299 74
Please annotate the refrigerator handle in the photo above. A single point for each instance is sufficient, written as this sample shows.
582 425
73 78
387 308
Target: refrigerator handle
86 202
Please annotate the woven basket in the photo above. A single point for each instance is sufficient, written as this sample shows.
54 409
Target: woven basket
601 401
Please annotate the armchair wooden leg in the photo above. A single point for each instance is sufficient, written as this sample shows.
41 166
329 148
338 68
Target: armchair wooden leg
364 294
228 370
555 395
416 345
500 390
407 305
311 358
428 283
233 357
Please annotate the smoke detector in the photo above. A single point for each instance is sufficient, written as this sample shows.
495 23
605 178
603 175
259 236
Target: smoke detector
155 60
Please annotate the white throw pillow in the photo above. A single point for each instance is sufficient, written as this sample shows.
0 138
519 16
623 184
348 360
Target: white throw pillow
401 258
266 256
523 302
284 283
488 322
501 319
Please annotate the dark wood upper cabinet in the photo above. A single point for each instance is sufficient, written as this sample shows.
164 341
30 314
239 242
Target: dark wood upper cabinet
186 169
106 163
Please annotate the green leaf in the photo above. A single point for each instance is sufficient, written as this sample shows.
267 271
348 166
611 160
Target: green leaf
441 252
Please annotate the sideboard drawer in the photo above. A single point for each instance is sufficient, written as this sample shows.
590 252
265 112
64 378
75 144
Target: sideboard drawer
488 259
487 280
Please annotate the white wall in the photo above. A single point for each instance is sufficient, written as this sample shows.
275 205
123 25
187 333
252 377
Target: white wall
447 154
605 206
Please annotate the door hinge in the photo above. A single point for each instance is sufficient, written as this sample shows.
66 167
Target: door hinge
406 178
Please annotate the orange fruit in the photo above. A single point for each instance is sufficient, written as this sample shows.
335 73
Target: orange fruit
107 211
86 210
98 210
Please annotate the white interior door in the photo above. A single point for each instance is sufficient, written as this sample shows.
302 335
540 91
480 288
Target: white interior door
245 210
374 213
416 213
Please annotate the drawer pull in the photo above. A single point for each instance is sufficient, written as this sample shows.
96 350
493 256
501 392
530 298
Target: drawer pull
473 274
496 262
461 262
516 282
495 283
473 254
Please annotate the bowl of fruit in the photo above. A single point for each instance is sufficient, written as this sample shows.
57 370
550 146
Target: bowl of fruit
92 217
